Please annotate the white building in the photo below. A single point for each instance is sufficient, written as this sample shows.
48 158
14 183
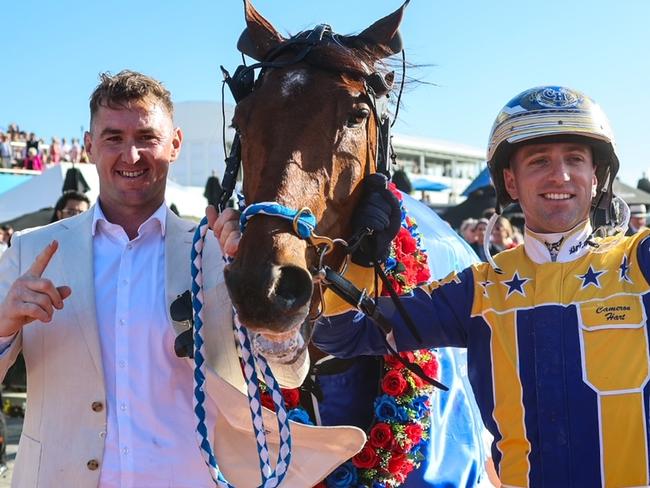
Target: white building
450 164
202 154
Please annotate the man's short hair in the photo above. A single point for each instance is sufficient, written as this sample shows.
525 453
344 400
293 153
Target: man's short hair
118 91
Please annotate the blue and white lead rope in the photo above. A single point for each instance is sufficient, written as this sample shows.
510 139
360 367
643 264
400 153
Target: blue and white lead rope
270 478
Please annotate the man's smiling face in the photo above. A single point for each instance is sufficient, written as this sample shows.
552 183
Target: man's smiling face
554 184
132 148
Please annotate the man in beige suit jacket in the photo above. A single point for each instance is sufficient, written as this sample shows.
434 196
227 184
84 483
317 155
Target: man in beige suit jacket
48 310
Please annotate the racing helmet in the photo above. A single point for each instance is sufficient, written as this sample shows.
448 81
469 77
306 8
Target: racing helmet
552 114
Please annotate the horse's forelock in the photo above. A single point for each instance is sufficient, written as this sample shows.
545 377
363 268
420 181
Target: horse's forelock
333 55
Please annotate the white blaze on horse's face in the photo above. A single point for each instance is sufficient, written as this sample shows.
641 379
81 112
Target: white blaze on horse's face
293 80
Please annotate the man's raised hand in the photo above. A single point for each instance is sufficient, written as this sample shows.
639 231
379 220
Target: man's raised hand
32 297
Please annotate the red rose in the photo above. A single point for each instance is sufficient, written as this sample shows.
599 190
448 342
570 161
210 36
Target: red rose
423 274
407 467
396 463
409 244
402 447
400 478
411 269
381 435
419 382
394 383
413 432
408 355
430 368
392 362
267 401
367 458
291 397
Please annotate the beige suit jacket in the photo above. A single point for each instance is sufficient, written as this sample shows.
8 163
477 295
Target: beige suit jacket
62 442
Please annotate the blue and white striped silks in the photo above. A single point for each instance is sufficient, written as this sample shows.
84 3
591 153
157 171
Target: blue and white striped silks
456 454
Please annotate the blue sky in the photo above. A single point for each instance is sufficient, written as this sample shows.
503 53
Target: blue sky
480 54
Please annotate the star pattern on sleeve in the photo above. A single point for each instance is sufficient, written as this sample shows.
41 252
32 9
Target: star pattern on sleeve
485 284
624 268
591 277
516 284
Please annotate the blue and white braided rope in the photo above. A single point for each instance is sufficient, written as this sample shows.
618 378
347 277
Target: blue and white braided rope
270 478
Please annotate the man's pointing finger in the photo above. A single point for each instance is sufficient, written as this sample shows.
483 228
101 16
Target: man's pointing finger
43 259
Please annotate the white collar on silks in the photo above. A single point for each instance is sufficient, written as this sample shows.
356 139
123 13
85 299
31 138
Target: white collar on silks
561 247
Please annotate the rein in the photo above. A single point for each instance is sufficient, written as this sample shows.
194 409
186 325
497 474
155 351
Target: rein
304 223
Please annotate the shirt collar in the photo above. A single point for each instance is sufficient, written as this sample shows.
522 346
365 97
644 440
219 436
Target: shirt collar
160 215
559 247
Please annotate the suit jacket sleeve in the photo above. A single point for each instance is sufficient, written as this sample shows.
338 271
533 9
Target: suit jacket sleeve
9 272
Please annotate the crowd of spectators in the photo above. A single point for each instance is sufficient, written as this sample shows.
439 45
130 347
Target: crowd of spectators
504 235
24 150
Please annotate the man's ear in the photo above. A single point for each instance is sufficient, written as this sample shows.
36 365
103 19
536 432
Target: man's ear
509 182
177 141
594 185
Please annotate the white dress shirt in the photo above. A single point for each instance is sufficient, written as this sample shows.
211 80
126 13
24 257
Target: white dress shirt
150 438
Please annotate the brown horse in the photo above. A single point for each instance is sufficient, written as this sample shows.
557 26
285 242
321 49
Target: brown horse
308 137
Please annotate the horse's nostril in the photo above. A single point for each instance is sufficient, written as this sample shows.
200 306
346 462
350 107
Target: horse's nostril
293 288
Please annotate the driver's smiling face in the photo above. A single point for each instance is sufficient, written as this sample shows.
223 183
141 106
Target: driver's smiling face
554 184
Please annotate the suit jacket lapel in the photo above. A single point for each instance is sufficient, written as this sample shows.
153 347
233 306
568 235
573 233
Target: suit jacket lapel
178 244
76 248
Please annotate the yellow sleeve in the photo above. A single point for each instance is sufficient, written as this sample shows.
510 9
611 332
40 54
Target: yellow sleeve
361 277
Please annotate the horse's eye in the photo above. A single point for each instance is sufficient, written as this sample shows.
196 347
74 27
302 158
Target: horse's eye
358 115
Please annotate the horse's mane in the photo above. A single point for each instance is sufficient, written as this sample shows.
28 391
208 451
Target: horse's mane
343 54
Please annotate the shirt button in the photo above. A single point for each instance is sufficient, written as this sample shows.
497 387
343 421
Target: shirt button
97 406
123 407
129 246
125 450
102 434
125 282
122 364
122 322
93 464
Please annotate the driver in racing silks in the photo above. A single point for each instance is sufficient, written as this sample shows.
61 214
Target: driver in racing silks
556 329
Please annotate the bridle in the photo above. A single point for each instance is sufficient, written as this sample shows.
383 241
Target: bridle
303 225
377 88
243 82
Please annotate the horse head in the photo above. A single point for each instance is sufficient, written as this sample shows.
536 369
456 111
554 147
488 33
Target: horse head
308 128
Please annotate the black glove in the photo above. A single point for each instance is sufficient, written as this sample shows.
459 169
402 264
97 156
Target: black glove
378 211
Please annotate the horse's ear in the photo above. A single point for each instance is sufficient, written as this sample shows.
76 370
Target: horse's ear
259 37
383 38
